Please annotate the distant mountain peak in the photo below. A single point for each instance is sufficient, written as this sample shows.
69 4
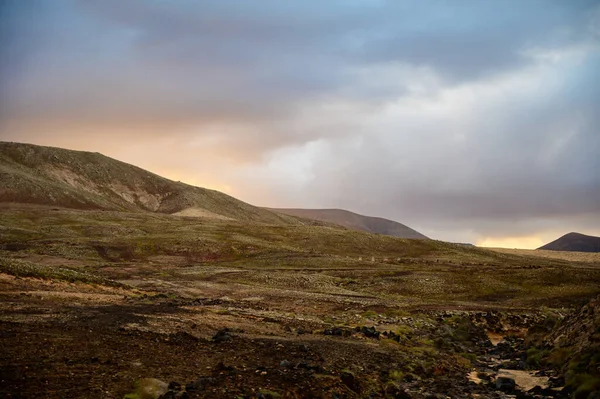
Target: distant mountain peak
574 242
354 221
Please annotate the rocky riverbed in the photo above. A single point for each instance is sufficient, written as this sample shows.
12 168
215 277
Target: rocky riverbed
72 340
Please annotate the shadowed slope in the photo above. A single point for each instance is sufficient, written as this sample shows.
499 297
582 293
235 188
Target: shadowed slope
86 180
574 242
355 221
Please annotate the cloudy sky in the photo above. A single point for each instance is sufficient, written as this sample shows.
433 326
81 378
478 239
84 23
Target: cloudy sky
472 121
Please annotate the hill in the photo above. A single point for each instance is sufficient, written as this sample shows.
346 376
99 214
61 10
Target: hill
84 180
574 242
355 221
260 304
570 348
125 294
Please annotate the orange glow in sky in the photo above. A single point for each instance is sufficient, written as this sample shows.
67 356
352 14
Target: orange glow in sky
198 181
526 242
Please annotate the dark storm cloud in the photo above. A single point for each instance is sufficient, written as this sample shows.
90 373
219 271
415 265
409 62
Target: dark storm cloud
428 112
150 63
525 158
472 39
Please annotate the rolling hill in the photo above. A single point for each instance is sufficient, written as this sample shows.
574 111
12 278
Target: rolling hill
84 180
574 242
355 221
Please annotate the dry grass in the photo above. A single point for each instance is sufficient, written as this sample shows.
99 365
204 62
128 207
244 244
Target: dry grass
192 255
571 256
277 288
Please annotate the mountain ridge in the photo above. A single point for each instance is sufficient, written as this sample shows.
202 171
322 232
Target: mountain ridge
574 242
355 221
89 180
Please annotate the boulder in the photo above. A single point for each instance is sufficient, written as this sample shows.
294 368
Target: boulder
370 332
222 336
350 380
505 383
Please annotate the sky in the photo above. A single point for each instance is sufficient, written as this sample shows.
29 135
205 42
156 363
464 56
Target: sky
470 121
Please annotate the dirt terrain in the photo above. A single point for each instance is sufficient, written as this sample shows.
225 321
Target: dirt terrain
572 256
93 302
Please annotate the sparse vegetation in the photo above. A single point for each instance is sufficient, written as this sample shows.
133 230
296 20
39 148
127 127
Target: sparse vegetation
264 304
19 268
312 258
536 357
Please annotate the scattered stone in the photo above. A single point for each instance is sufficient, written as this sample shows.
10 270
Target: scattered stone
190 387
174 386
391 335
505 383
397 393
370 332
304 348
544 392
285 364
175 392
555 382
350 380
222 335
223 367
268 395
338 331
169 395
200 384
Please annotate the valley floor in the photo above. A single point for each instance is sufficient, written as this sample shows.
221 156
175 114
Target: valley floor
65 340
91 302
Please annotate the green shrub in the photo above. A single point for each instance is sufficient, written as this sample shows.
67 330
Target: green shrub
584 384
469 356
536 357
396 375
22 268
558 356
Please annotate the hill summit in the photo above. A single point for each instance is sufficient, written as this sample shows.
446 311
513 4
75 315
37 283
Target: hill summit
89 180
574 242
355 221
33 174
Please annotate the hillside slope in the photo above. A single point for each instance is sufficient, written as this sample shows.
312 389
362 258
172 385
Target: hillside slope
355 221
85 180
574 347
574 242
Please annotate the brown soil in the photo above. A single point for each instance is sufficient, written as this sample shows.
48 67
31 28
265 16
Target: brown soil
63 340
103 299
572 256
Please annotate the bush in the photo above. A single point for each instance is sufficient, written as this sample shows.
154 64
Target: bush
536 357
584 384
19 268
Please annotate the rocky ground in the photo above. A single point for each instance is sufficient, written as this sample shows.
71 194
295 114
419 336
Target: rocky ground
98 304
73 340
